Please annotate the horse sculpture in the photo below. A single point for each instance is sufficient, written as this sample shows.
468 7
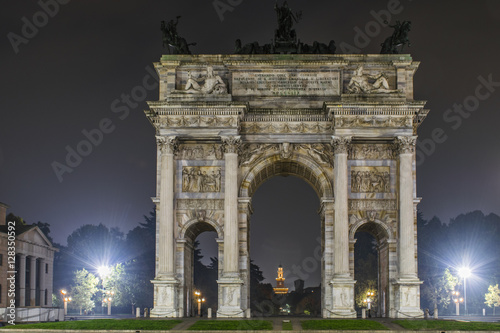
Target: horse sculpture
171 38
398 39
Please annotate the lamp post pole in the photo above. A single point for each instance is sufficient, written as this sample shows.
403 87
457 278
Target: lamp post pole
457 301
465 273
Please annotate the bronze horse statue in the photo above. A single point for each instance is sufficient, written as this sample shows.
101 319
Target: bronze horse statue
398 39
172 38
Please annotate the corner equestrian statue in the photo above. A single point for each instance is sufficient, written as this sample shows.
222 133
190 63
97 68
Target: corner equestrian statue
172 38
399 38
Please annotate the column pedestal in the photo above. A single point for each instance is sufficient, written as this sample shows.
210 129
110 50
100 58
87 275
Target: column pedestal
165 299
230 297
343 299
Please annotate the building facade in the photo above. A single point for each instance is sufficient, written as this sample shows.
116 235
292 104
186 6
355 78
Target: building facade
31 270
346 124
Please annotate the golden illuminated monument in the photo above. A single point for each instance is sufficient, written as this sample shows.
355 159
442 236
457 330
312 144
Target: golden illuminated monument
280 282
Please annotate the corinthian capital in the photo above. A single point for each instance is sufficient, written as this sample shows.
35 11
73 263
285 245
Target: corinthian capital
231 143
341 144
405 144
167 144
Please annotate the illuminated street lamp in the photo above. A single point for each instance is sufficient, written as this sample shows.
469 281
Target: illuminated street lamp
368 301
465 273
457 301
108 300
65 300
199 300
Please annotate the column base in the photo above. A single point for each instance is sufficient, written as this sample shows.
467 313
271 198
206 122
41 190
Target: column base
230 297
407 292
343 298
165 298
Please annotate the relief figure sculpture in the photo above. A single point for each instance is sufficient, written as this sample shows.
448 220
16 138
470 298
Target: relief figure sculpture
201 179
370 181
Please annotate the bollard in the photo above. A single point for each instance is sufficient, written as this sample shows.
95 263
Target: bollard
145 312
435 313
363 313
209 313
138 312
484 312
248 313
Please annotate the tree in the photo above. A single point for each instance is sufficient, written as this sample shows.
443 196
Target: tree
115 282
89 247
438 289
492 297
14 218
83 290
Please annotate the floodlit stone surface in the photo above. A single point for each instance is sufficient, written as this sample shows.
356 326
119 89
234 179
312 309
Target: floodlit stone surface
344 123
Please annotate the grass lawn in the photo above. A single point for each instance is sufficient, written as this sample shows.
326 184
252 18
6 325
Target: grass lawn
236 325
287 326
447 325
102 324
342 324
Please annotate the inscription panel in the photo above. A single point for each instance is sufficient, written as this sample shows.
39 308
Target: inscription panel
286 83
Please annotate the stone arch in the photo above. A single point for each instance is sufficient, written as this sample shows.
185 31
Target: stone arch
300 166
380 226
195 226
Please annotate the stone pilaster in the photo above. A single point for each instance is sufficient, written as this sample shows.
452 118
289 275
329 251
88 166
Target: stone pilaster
22 280
166 285
327 212
408 285
230 284
244 212
342 282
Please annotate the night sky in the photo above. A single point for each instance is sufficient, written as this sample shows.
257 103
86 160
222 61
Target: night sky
62 79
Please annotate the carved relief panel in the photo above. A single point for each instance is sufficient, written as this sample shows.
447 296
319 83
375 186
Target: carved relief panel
200 152
370 180
201 179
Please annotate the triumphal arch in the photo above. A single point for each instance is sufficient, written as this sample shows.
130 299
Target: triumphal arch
346 124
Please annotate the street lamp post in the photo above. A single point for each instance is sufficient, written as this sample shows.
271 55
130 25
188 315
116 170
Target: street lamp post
199 300
457 301
65 300
108 300
368 302
465 273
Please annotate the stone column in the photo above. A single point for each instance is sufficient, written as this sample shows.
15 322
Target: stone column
22 280
230 283
43 287
408 285
406 148
166 285
32 281
342 282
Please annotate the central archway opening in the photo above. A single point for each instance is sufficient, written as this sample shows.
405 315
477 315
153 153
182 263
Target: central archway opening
285 229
